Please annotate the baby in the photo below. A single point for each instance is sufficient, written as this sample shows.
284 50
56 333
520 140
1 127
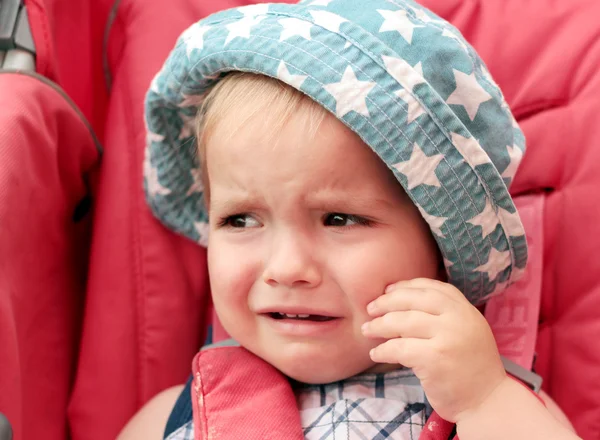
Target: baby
350 182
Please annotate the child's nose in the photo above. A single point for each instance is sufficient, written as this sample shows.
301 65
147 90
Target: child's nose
291 264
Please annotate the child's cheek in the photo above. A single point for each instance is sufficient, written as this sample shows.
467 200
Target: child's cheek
223 270
361 282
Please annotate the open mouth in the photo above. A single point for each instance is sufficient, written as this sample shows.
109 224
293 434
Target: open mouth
315 318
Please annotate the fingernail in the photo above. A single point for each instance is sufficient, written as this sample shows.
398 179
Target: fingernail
371 353
389 288
365 327
371 307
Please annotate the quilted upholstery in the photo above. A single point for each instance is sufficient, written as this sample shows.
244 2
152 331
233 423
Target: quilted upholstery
46 165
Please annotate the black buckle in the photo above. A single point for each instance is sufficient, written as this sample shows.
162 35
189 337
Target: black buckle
15 32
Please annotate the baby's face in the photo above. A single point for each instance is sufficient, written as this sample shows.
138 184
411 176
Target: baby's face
304 233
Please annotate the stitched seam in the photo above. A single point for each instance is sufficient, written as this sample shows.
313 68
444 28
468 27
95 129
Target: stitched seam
138 279
112 16
201 407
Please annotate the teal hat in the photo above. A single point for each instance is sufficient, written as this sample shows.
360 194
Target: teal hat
400 77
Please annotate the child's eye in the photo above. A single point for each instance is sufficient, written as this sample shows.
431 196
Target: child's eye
339 220
240 221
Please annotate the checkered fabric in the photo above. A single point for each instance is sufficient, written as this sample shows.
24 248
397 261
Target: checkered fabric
186 432
364 407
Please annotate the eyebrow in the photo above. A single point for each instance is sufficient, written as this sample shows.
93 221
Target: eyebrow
356 201
326 200
239 202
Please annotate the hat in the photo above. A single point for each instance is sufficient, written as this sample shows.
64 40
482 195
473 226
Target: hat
400 77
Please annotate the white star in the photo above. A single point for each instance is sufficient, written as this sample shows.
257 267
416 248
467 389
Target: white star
401 71
488 220
147 164
468 93
435 223
293 80
196 186
347 45
191 101
241 27
154 83
447 263
453 36
350 94
398 21
497 262
517 275
420 169
328 20
154 137
414 107
295 26
421 15
202 228
254 10
511 222
320 3
419 69
154 186
194 37
515 124
516 155
470 149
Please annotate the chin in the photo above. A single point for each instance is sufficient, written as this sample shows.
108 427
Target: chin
310 365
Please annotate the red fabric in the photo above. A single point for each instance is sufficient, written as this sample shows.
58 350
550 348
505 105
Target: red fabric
45 163
146 308
226 398
437 428
68 37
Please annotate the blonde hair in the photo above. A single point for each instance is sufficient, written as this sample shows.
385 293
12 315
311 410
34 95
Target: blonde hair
254 95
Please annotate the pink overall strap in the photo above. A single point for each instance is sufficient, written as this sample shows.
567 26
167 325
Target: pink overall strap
513 316
236 395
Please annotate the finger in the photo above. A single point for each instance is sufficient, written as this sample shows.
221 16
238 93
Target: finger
405 351
423 299
405 324
426 283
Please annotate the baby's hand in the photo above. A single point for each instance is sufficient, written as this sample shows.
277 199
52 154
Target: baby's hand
432 328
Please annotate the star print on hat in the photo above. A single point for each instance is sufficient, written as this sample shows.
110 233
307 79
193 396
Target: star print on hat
402 78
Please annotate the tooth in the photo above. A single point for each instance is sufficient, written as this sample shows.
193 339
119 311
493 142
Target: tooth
303 316
289 315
